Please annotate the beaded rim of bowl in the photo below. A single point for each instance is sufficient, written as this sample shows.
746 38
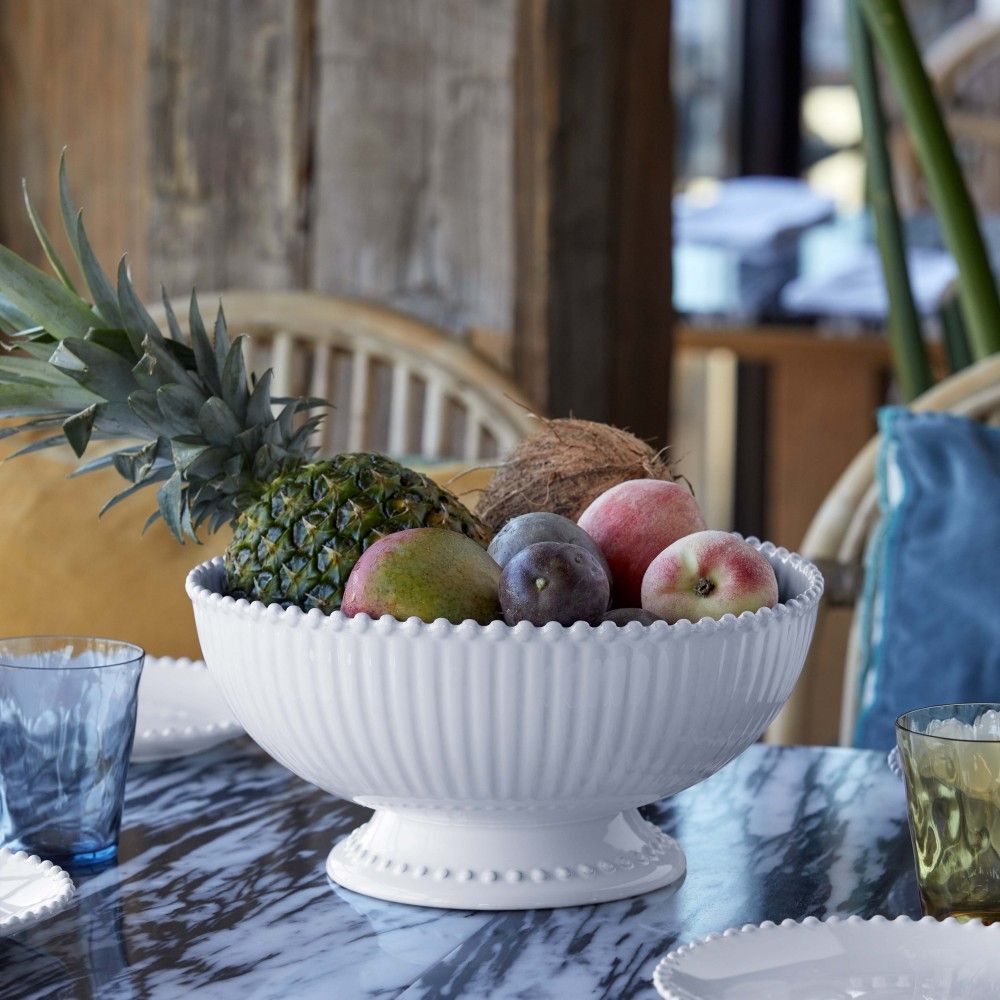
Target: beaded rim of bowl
204 587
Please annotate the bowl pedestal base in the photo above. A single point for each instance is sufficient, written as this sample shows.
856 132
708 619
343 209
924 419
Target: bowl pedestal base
503 860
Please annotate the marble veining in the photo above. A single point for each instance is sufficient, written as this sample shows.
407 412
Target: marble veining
220 889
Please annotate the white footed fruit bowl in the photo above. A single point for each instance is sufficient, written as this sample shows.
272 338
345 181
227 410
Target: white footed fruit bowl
504 764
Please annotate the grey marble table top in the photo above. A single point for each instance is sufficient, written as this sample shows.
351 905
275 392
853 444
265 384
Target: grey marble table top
220 890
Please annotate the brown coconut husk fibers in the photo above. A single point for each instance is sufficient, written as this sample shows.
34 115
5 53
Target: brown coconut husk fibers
565 466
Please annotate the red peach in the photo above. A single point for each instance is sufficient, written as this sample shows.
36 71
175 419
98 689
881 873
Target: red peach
634 522
707 575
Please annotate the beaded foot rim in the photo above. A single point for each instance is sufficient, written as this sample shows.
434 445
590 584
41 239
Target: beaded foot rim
362 863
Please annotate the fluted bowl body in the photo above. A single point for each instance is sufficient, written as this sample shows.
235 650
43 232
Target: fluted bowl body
416 716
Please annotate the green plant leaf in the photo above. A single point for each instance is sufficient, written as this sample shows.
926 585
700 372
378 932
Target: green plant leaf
217 422
906 339
207 466
78 429
151 520
114 340
30 425
33 335
175 328
139 464
31 369
955 336
286 418
118 420
234 380
137 322
206 363
101 462
170 498
248 441
35 349
19 400
157 477
218 520
258 412
195 322
41 445
221 339
159 362
66 207
181 353
301 436
142 403
51 254
47 301
303 402
181 405
186 449
96 368
12 319
268 461
949 196
9 378
97 281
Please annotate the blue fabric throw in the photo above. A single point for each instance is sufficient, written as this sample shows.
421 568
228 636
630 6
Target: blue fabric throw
930 614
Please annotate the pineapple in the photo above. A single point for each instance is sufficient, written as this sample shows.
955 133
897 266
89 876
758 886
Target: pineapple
299 540
186 417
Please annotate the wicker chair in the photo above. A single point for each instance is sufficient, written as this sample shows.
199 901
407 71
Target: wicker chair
836 540
964 65
398 385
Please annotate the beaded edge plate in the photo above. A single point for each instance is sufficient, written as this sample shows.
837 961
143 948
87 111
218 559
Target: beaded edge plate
837 957
181 711
30 890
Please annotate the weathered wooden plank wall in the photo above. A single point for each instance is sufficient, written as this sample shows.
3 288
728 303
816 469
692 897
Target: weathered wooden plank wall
413 193
74 74
230 119
367 148
361 147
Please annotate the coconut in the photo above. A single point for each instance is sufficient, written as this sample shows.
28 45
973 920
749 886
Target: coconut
565 466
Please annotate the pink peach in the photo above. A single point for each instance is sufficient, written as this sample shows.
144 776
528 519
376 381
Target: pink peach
707 575
635 521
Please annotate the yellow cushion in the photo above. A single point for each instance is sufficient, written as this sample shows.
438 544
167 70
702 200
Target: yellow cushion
67 571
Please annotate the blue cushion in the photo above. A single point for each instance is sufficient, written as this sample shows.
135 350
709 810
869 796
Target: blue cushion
930 614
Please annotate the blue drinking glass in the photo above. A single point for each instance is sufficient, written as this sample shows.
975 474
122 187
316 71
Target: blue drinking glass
67 721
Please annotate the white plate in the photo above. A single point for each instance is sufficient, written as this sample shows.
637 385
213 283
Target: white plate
181 710
30 890
895 764
837 959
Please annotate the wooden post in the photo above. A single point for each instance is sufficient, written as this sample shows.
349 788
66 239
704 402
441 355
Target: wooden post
592 207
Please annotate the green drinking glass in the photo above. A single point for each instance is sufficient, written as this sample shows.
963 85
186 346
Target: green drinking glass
950 756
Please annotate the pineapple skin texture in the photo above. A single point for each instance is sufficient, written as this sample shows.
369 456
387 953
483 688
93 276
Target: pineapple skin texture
297 544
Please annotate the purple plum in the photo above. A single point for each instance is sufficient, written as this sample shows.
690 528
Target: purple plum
553 582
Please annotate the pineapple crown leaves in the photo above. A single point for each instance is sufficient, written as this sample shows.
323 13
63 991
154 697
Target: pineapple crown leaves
185 414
